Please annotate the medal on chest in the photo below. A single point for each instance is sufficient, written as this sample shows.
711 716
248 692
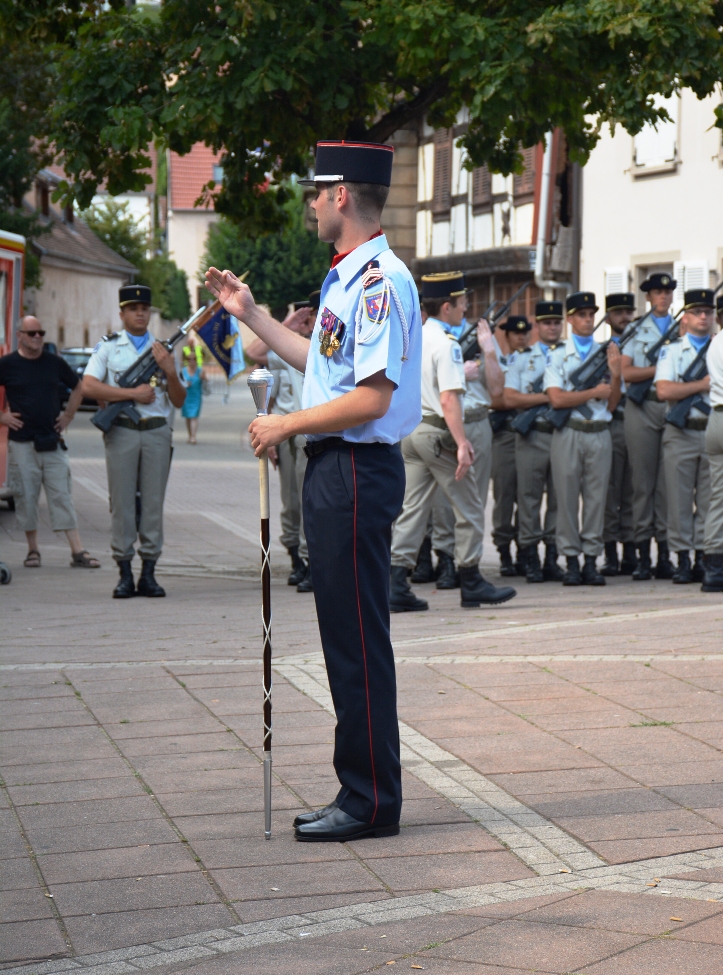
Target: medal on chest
330 333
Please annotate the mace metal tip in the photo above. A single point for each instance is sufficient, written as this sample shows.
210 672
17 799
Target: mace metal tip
261 383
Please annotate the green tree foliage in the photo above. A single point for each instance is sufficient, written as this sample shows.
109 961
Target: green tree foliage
281 267
116 227
262 80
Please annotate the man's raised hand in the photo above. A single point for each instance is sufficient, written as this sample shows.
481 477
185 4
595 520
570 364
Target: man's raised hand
234 295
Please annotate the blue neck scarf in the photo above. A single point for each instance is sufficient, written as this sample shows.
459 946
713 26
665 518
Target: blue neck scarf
139 340
698 341
583 345
663 324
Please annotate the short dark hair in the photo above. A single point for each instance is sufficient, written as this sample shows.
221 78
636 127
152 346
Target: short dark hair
432 306
369 198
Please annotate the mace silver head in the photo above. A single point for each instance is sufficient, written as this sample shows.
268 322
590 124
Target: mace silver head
261 383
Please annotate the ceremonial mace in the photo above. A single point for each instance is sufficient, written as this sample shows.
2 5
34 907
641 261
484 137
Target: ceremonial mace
261 382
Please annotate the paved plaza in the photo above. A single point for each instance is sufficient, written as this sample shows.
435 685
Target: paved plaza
563 767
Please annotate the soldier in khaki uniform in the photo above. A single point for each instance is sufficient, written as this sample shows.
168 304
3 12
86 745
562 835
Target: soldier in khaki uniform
581 451
532 449
619 312
687 471
515 331
138 455
439 452
484 376
713 537
644 432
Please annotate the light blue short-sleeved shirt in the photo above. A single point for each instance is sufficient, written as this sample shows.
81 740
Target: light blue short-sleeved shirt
369 343
673 361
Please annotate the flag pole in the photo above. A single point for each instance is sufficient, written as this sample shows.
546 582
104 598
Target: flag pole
261 384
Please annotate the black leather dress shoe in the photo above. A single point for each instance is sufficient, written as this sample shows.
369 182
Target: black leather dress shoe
311 817
338 826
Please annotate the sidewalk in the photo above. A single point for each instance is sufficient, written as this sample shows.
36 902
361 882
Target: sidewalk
562 760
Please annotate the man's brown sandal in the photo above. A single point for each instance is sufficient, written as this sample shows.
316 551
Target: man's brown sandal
82 560
32 559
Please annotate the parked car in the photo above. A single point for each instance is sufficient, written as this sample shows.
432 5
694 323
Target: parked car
77 359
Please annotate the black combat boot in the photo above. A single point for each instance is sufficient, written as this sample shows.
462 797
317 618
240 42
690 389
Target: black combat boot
147 585
533 569
629 561
590 574
612 566
126 586
447 575
507 566
572 577
520 561
698 572
683 574
401 597
305 584
424 570
298 566
644 569
551 571
713 581
665 568
476 590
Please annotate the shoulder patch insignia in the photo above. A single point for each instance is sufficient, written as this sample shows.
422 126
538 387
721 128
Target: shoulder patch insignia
663 353
456 353
376 306
371 274
110 338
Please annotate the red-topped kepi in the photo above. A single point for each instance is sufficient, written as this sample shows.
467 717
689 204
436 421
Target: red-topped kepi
352 162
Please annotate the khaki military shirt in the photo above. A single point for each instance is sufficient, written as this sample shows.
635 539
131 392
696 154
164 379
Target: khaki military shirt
442 366
110 359
564 361
715 368
673 360
526 368
646 336
288 385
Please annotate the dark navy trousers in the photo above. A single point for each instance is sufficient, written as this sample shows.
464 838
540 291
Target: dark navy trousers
352 494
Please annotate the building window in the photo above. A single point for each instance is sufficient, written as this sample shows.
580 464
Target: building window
655 148
86 337
442 198
218 174
481 190
42 198
68 214
61 335
523 190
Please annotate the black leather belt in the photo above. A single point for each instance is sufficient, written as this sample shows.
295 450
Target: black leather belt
315 447
696 423
146 423
588 426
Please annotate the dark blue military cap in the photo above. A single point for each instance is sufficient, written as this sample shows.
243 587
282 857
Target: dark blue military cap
515 323
623 299
697 297
548 309
580 300
664 281
443 284
131 293
352 162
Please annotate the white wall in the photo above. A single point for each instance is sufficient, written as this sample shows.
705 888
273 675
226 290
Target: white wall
187 231
673 215
76 301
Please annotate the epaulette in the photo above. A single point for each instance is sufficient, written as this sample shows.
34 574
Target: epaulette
522 351
112 337
450 337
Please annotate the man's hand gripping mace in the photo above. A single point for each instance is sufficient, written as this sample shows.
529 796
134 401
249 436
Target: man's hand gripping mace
261 383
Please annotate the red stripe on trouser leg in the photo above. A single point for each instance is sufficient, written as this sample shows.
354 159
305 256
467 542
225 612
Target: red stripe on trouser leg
364 650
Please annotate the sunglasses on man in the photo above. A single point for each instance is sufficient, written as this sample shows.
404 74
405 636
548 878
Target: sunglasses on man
32 332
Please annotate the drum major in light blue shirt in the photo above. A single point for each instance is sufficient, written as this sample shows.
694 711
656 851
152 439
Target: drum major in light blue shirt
388 340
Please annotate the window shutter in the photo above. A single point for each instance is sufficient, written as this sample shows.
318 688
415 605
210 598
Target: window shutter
616 280
657 146
481 189
442 199
524 183
689 274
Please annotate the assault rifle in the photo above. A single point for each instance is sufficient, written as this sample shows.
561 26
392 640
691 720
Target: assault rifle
638 392
525 419
698 369
468 340
145 370
588 375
